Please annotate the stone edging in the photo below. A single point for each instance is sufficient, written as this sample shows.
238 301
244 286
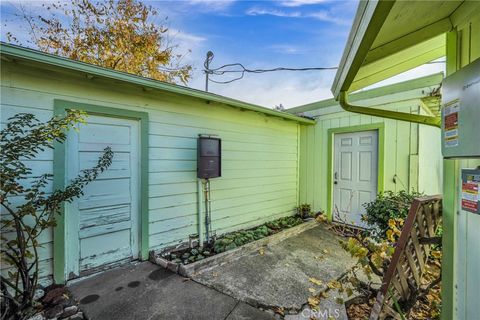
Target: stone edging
227 256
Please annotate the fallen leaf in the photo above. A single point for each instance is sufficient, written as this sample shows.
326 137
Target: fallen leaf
349 292
280 311
311 290
316 281
261 251
325 251
313 301
334 284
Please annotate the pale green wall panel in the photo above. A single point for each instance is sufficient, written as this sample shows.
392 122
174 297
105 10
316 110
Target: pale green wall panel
261 162
463 260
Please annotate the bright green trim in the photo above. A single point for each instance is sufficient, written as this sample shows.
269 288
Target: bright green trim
369 19
299 159
450 189
427 120
17 52
380 127
409 40
427 81
59 242
405 60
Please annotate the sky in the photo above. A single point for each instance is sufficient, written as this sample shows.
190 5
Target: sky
258 34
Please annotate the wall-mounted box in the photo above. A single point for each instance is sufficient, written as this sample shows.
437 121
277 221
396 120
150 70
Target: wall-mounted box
461 113
209 157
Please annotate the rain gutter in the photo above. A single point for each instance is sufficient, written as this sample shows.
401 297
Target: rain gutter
402 116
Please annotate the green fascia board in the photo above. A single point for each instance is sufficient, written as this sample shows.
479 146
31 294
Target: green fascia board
368 21
59 181
427 81
17 52
363 65
380 127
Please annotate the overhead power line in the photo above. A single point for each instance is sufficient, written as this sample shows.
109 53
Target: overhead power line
238 68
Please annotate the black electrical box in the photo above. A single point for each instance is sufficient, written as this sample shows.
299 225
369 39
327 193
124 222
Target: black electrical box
209 157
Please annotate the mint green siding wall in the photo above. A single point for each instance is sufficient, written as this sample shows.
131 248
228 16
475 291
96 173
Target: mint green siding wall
402 151
260 152
461 258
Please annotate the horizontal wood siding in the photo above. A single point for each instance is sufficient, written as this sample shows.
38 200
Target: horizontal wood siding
260 152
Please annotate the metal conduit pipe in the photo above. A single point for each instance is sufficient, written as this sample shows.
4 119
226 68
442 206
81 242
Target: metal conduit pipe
427 120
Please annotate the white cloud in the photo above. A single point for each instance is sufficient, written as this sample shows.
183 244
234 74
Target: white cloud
183 36
272 12
418 72
319 15
298 3
212 5
271 89
328 17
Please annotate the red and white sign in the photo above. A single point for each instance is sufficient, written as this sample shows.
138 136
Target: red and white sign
470 196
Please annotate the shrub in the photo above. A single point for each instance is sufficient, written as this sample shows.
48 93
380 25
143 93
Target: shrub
23 224
305 211
386 207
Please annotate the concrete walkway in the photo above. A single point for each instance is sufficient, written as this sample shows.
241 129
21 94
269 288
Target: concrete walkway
146 291
279 275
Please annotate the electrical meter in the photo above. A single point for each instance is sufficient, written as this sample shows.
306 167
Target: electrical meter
209 160
461 113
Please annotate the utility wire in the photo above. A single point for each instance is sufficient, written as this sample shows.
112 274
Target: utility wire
233 68
240 68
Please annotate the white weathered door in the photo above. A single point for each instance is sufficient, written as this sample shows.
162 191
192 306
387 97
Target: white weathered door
354 175
102 225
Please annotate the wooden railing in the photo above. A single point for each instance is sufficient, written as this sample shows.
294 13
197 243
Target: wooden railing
405 272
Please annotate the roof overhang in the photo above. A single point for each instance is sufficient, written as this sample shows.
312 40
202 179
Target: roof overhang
419 88
391 37
17 53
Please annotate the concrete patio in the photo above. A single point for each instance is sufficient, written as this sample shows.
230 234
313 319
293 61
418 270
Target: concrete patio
146 291
278 275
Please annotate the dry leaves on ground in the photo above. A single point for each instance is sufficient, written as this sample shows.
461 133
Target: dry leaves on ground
315 281
313 301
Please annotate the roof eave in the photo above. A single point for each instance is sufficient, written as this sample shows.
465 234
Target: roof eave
423 82
49 59
367 23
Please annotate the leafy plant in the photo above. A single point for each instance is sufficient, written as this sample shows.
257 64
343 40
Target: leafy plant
23 224
374 249
235 239
388 205
305 211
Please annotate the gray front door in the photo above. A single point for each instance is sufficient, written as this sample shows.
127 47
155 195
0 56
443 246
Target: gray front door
354 175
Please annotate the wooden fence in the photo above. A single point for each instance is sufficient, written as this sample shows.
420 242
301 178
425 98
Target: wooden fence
404 274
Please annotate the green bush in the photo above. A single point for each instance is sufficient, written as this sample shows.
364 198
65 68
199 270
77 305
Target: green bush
305 211
388 205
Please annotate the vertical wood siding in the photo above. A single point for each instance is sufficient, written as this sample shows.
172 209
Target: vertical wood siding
462 259
260 153
402 152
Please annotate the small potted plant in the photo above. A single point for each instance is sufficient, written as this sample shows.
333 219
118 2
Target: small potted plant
304 211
